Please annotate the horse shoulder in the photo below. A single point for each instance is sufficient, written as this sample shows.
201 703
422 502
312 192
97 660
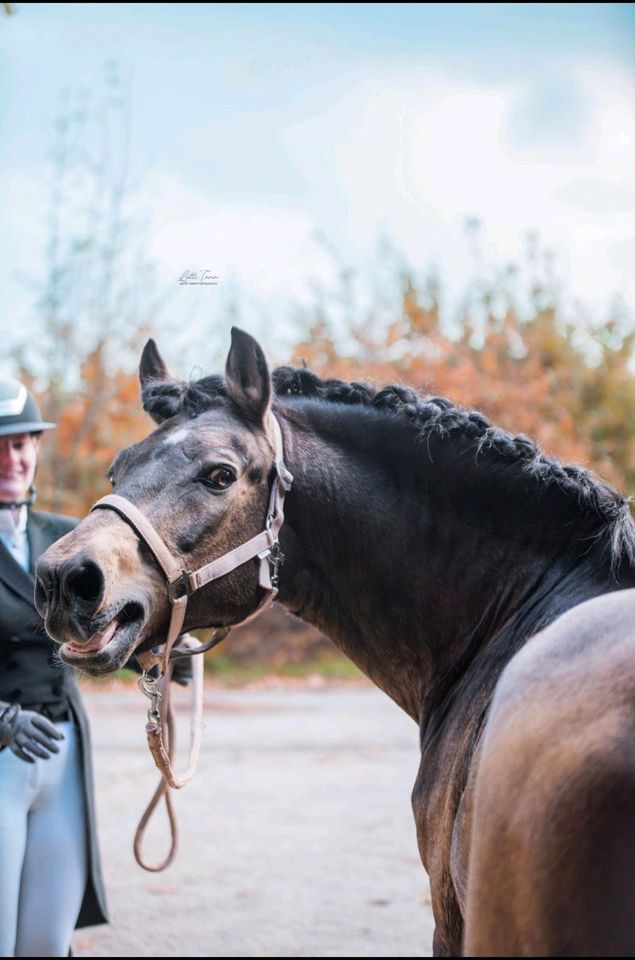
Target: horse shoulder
553 832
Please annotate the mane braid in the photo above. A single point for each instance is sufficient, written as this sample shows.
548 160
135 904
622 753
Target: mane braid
168 398
430 416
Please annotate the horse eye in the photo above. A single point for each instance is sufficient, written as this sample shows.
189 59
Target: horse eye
220 478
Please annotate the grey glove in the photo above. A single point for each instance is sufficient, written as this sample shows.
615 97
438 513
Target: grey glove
26 732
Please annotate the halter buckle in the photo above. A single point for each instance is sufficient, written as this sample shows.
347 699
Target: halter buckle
181 587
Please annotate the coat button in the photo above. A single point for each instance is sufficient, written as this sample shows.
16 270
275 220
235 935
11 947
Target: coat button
15 693
14 638
11 664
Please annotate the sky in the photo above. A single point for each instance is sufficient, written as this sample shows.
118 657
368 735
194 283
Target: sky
261 135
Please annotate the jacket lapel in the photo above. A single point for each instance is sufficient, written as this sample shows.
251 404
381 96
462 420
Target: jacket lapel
41 535
14 576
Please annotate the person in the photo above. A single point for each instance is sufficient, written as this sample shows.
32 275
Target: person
50 870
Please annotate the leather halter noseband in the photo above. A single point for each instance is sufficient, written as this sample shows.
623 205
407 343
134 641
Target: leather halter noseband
182 584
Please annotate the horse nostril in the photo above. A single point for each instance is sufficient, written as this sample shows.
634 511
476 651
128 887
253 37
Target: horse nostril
83 580
43 591
46 578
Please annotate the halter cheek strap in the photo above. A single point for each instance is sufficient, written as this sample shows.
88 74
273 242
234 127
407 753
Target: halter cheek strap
181 584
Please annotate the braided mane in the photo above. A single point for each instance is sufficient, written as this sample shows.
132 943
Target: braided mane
430 416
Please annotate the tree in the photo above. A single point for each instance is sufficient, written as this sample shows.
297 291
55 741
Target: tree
567 382
96 303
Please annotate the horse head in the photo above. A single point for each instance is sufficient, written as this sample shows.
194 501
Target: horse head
203 479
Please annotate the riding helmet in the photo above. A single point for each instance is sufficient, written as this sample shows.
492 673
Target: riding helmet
19 413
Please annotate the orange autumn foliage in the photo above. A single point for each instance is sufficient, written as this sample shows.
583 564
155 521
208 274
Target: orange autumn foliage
529 376
93 423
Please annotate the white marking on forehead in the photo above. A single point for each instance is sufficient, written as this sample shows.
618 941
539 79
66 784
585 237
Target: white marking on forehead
176 437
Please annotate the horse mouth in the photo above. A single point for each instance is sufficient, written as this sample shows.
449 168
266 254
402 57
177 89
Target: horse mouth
108 648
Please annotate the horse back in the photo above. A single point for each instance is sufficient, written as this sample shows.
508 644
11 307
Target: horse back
552 851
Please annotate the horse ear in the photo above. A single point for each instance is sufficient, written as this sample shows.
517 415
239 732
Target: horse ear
247 376
152 366
160 390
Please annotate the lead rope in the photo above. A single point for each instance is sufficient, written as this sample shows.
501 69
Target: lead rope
166 717
161 736
160 730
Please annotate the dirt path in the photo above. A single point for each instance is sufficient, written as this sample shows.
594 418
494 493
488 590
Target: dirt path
297 837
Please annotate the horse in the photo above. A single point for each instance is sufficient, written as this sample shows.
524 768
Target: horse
484 586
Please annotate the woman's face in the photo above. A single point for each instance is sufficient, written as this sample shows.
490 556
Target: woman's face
18 459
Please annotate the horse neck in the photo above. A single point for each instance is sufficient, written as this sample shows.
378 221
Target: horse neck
410 584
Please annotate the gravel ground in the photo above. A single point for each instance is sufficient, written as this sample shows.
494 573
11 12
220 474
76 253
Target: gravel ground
297 837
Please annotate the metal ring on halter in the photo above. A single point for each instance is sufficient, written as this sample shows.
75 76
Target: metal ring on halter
182 587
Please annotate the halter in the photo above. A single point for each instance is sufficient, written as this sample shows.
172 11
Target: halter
181 584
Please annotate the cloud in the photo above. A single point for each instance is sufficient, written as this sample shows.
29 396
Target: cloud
410 154
414 153
259 240
599 198
551 121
